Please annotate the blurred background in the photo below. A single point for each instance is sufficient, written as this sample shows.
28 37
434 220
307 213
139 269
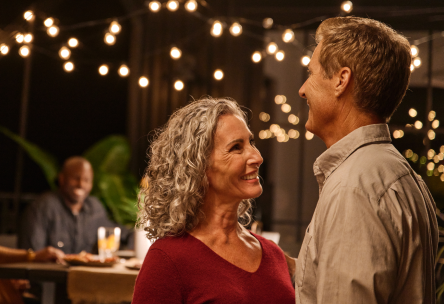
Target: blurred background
134 62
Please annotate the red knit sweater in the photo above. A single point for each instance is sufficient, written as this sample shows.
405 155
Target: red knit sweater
184 270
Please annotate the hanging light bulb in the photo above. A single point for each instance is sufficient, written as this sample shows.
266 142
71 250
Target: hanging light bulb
288 36
236 29
414 50
175 53
178 85
19 38
103 69
68 66
267 23
272 48
28 38
347 6
280 55
4 48
64 53
173 5
123 70
24 51
143 82
191 5
417 62
53 30
48 22
154 6
73 42
28 15
110 39
305 60
115 27
216 29
218 74
412 67
256 57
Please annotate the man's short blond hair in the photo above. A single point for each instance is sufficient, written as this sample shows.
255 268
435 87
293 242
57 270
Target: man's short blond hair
377 55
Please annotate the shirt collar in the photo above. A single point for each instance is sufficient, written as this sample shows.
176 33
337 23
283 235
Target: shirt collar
86 208
331 159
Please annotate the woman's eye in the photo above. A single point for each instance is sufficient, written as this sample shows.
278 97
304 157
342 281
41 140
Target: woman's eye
235 147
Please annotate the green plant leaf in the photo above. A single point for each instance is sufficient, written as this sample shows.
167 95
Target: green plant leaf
44 160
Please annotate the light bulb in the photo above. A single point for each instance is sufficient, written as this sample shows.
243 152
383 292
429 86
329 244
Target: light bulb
280 55
178 85
191 5
115 27
123 70
272 48
413 112
412 67
173 5
28 15
24 51
305 60
53 30
347 6
216 29
218 74
236 29
175 53
4 48
73 42
68 66
110 39
154 6
143 82
309 135
256 57
267 23
48 22
19 38
288 36
64 52
417 62
28 38
103 69
414 50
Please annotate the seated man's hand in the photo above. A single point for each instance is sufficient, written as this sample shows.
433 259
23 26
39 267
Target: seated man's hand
49 254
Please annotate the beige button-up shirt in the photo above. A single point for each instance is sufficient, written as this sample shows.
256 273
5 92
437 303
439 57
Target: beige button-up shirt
374 235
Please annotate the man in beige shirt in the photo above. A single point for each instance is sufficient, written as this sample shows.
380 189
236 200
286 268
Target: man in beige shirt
373 237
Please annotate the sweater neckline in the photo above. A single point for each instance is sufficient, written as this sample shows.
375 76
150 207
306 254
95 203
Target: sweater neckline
229 263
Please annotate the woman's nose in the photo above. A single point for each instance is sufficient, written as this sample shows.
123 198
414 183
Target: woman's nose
302 91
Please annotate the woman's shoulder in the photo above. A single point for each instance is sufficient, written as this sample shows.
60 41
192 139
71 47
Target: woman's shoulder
175 246
269 246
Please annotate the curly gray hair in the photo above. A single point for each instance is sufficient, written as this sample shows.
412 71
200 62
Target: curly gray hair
176 182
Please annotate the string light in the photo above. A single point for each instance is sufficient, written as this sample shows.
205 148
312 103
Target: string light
73 42
347 6
218 74
274 128
280 99
262 134
124 70
280 55
19 38
264 117
305 60
418 124
110 39
178 85
293 133
48 22
68 66
64 53
417 62
431 134
286 108
309 135
103 69
28 15
191 5
4 48
267 23
28 38
154 6
272 48
408 153
175 53
216 29
256 57
143 82
288 36
431 153
432 115
236 29
413 112
172 5
115 27
430 166
53 30
24 51
414 50
412 67
293 119
435 124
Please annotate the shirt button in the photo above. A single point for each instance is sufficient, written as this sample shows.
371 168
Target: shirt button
60 244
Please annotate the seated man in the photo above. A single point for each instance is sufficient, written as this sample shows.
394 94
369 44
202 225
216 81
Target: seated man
67 219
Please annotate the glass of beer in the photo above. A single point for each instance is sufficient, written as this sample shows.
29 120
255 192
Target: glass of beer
108 242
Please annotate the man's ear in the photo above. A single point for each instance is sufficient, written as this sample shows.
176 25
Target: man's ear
343 81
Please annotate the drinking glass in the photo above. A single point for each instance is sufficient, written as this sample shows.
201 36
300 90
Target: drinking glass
108 241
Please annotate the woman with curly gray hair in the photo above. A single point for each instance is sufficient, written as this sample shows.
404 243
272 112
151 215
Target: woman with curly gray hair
202 175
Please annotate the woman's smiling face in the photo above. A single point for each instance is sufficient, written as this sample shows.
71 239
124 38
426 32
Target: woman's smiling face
234 162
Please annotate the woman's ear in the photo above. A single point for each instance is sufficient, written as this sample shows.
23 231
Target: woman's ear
343 81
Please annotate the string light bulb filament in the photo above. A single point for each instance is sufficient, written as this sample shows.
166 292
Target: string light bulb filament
73 42
175 53
347 6
103 69
110 39
48 22
216 29
68 66
28 15
64 53
218 74
288 36
143 82
173 5
115 27
124 70
4 48
191 6
417 62
305 60
154 6
19 38
236 29
28 38
272 48
24 51
280 55
178 85
53 30
414 50
256 57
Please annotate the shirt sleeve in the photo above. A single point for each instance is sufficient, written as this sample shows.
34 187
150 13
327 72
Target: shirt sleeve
158 280
358 248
